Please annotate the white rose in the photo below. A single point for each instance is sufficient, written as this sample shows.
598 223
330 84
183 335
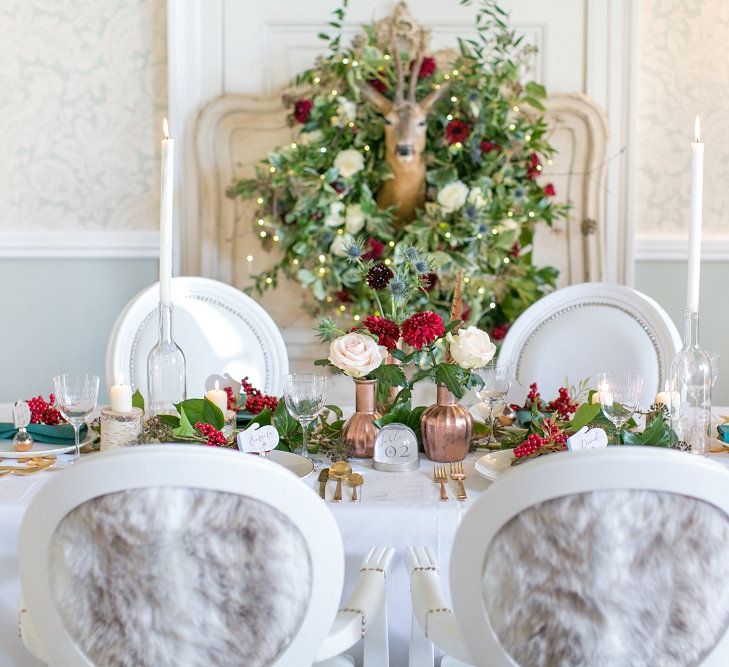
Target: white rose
471 348
509 224
313 137
341 244
356 354
475 197
335 217
349 162
355 219
453 196
346 112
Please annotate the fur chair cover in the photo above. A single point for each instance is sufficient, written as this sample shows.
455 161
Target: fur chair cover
619 578
184 577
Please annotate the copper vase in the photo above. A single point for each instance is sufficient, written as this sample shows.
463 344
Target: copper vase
359 428
446 428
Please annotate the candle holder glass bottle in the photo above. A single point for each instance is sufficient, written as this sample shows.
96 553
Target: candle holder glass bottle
690 395
166 370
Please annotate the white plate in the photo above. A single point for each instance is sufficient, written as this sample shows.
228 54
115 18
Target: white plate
42 448
494 464
297 464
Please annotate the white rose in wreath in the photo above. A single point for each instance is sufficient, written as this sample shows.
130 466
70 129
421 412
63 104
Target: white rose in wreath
471 347
313 137
335 216
349 162
475 197
355 219
341 244
356 355
453 196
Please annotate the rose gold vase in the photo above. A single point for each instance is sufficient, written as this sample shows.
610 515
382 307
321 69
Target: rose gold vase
359 427
446 428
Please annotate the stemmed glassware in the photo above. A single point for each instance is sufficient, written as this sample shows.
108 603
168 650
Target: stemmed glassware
619 395
76 396
497 376
304 396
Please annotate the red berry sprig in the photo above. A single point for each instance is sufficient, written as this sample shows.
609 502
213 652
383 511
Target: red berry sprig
533 397
554 438
42 412
215 438
255 399
529 446
563 405
232 402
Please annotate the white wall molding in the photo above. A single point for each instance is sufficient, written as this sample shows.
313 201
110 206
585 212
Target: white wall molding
662 248
79 244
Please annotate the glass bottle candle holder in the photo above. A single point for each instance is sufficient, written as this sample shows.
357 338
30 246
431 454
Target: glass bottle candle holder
121 429
690 391
166 371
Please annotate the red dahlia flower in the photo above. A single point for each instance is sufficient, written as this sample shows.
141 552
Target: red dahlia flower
488 146
387 332
457 131
549 190
426 69
302 109
499 331
422 329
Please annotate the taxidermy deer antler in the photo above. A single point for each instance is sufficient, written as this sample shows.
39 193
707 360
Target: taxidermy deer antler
405 132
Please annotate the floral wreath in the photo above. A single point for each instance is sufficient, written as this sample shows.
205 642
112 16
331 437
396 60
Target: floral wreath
485 146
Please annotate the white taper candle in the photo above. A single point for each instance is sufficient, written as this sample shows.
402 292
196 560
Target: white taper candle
165 216
697 185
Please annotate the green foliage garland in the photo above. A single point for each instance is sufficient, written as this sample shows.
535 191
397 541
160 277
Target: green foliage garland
485 142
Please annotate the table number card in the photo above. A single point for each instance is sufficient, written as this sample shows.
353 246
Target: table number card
595 438
396 449
257 439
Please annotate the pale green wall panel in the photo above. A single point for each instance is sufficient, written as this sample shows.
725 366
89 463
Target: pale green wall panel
666 283
57 316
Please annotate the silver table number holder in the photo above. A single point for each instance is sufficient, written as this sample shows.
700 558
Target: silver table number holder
396 449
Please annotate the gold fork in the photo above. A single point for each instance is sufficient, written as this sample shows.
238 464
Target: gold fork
458 475
440 475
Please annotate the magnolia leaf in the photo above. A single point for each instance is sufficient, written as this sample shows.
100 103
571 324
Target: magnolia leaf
138 400
283 421
585 414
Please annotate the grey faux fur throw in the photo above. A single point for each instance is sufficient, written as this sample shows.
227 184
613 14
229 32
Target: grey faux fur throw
618 578
169 576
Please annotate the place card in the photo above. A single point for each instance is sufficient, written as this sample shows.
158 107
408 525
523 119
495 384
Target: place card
396 449
257 439
387 490
594 438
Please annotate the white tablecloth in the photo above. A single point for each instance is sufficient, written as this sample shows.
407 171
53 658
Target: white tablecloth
428 522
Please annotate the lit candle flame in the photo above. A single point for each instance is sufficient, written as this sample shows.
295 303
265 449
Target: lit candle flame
166 128
697 129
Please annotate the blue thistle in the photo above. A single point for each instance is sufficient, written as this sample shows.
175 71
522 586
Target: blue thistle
422 265
354 251
398 288
411 253
471 212
519 194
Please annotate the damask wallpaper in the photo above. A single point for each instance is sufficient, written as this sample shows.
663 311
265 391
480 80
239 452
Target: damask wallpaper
82 93
683 69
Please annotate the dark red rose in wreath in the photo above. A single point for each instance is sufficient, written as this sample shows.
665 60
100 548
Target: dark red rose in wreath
387 332
343 296
534 162
457 131
428 281
426 69
499 331
549 190
302 109
379 85
377 248
422 329
489 146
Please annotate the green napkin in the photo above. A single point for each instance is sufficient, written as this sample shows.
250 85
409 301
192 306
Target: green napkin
723 432
62 434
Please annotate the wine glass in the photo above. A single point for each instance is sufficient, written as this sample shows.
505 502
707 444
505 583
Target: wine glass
619 394
304 396
76 396
497 376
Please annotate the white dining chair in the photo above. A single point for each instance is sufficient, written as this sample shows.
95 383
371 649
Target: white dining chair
609 557
224 334
189 555
581 330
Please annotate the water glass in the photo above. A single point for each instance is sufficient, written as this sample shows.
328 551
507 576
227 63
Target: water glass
619 395
304 397
497 376
76 396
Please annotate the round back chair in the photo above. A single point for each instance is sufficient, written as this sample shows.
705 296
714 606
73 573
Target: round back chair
224 334
581 330
180 554
610 557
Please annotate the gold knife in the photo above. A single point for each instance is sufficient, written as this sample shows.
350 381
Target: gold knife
323 479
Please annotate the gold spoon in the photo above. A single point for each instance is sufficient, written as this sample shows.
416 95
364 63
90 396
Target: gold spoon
355 480
339 471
